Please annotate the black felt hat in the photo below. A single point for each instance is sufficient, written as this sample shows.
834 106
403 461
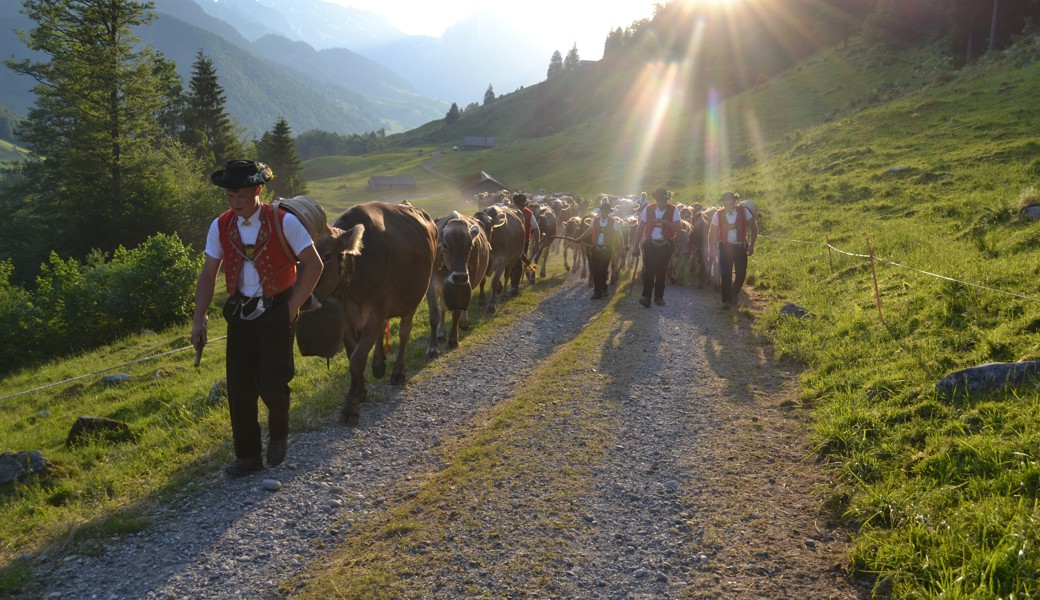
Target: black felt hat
662 194
242 174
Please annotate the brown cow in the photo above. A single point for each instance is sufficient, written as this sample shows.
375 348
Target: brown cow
546 237
463 251
504 228
378 262
573 228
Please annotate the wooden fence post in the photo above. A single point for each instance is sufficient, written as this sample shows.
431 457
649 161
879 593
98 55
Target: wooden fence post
877 293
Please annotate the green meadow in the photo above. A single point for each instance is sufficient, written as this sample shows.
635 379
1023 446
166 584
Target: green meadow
855 152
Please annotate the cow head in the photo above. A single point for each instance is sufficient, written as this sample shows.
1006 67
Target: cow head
491 218
339 250
453 250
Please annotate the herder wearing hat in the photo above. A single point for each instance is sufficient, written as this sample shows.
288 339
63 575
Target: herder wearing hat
733 231
658 225
601 240
530 230
266 289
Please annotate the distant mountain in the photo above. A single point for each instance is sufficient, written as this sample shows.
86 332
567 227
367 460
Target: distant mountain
260 85
472 54
322 25
457 67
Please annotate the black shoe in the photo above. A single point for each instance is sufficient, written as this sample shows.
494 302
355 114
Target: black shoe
645 301
276 452
244 466
659 302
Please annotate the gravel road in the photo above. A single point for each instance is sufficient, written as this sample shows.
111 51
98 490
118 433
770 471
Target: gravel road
706 489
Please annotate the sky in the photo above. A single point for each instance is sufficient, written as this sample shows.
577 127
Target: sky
585 22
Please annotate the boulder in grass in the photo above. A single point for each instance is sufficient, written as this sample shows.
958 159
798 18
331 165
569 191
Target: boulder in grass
18 466
99 428
793 310
987 378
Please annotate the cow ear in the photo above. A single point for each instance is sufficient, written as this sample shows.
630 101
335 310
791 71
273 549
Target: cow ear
500 220
474 231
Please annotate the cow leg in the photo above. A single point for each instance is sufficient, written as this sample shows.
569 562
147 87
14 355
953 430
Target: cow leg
405 331
358 361
482 299
453 333
379 357
496 289
464 321
566 267
435 320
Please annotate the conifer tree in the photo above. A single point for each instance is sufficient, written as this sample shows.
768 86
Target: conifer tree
555 65
207 126
97 122
573 60
277 149
453 114
489 95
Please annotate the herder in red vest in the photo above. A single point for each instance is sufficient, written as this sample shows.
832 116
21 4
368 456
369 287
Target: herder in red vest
265 292
658 225
530 229
734 231
601 240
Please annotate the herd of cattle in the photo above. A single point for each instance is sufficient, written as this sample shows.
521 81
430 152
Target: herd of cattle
382 259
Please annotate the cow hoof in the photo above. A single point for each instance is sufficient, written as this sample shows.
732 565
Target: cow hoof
378 368
351 415
452 345
464 326
397 379
431 353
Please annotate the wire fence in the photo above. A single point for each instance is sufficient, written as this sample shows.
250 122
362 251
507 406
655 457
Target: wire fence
873 258
105 370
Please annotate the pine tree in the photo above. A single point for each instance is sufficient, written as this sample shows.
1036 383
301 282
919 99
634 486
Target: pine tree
277 149
101 103
208 128
489 95
573 60
453 114
555 66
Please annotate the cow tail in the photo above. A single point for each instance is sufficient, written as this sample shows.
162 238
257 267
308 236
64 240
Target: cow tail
386 345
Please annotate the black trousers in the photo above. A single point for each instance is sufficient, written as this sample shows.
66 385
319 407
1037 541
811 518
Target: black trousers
655 267
518 269
259 364
732 270
599 267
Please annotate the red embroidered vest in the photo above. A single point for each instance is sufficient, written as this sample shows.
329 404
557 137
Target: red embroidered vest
741 224
528 215
669 214
277 271
595 228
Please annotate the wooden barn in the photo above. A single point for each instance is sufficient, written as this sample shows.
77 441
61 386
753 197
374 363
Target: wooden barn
474 185
477 143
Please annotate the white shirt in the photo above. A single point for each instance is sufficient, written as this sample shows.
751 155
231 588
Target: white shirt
731 219
658 231
296 236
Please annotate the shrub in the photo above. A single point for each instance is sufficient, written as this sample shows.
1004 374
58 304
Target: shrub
83 305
